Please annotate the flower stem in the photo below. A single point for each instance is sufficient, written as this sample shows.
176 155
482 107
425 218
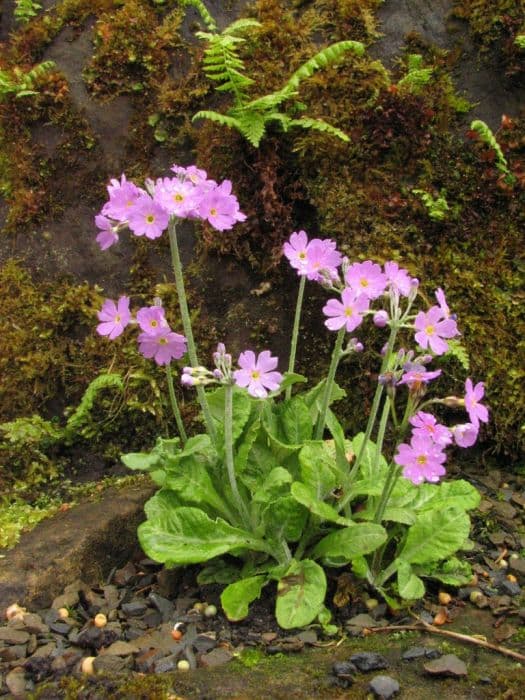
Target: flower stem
336 356
175 405
228 453
295 331
186 324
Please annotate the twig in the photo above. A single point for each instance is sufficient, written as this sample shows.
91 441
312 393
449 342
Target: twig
424 626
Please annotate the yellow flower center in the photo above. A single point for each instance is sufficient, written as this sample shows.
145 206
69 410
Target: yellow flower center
150 218
430 330
421 459
178 197
118 318
349 311
153 324
363 282
255 374
213 211
302 255
162 341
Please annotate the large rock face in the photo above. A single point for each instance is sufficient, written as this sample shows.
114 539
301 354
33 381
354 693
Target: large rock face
85 543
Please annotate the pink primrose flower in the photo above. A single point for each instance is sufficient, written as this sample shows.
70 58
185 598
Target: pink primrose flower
107 235
465 435
323 259
347 312
257 373
398 278
178 197
163 346
114 317
122 197
473 394
296 250
219 207
366 278
431 328
415 375
147 218
422 460
191 172
380 318
151 319
442 302
425 424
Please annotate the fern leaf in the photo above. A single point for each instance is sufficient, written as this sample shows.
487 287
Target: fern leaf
83 411
319 125
252 126
240 25
331 54
457 350
223 119
486 135
519 41
203 11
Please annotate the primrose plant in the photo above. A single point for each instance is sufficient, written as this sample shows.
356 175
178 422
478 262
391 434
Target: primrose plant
273 493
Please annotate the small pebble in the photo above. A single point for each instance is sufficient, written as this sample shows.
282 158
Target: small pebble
384 687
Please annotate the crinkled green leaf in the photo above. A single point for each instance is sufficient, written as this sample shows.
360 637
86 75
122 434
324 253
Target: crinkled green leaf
435 535
274 486
300 594
307 498
350 542
409 585
236 597
296 422
318 469
284 519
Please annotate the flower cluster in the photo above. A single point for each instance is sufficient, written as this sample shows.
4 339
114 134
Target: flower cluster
146 212
156 341
257 374
423 459
318 259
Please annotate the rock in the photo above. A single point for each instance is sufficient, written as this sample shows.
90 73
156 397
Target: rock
504 631
344 671
308 636
163 605
152 618
145 662
45 650
216 657
82 542
16 682
134 609
124 575
60 627
383 687
367 661
96 638
65 600
204 643
517 565
363 620
12 636
13 652
119 648
505 510
34 624
509 587
65 662
38 667
414 653
448 665
110 663
167 582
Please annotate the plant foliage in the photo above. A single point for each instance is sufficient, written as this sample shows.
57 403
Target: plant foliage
20 83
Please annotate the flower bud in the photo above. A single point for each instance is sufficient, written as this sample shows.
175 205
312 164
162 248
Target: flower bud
380 318
453 402
414 286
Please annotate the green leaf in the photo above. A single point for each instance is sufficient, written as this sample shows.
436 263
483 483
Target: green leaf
300 594
272 487
317 469
241 405
350 542
368 467
304 495
435 535
222 119
452 572
195 486
409 585
325 57
141 461
319 125
459 494
296 421
187 535
291 378
313 398
284 519
236 597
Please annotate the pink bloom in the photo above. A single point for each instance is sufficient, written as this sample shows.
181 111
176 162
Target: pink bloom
107 235
397 278
147 217
415 375
296 250
366 278
347 312
178 197
441 300
422 460
425 424
465 435
431 328
122 197
473 394
163 346
322 260
191 173
114 317
151 319
220 208
256 373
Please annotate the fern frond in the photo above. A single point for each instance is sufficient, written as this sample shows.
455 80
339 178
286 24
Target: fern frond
203 11
240 26
319 125
252 126
417 77
26 10
457 350
485 133
223 119
331 54
222 64
519 40
82 413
